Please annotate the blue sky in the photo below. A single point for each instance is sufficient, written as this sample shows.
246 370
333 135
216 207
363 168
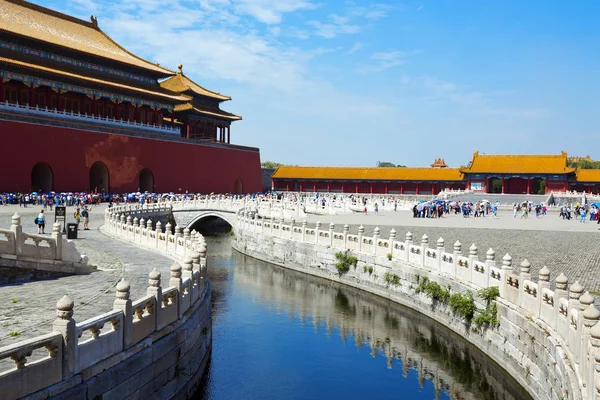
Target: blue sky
354 82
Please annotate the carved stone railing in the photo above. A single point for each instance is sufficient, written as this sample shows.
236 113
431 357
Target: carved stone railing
54 252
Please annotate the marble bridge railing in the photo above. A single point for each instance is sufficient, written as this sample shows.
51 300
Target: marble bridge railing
566 313
49 253
75 352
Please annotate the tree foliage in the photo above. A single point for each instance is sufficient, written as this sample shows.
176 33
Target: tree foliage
585 164
388 164
270 164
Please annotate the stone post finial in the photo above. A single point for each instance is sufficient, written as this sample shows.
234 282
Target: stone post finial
331 226
122 218
168 228
441 243
361 230
424 240
591 315
129 220
154 278
64 308
346 228
473 250
178 230
544 274
187 267
376 231
16 219
136 222
595 336
457 247
149 224
507 262
575 291
585 300
392 234
490 255
525 266
562 282
318 224
142 222
158 227
56 229
304 223
176 270
123 288
409 237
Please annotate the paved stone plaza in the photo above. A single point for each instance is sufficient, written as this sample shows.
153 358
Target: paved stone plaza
29 308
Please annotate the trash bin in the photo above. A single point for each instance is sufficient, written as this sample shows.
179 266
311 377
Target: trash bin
71 231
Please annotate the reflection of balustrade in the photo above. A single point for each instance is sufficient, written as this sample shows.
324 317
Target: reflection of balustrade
78 117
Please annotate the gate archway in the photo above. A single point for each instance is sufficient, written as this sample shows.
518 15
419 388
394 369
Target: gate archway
238 187
146 181
99 178
42 178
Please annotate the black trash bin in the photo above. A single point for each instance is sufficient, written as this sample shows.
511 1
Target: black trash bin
71 231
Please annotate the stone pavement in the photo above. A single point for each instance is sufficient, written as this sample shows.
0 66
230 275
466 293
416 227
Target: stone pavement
28 309
561 245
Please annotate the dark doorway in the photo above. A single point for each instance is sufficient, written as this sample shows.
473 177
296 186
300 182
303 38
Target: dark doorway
146 183
42 178
211 226
495 185
99 178
239 186
538 186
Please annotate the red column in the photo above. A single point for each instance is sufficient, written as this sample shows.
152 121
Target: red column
187 130
287 187
229 135
342 187
417 191
2 90
300 186
433 188
387 188
401 187
314 186
356 187
371 187
31 94
528 179
590 189
546 186
328 187
502 185
58 107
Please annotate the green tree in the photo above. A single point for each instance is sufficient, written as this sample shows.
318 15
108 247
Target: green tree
388 164
270 164
585 164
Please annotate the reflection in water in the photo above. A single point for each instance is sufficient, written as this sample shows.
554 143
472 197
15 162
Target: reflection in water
268 325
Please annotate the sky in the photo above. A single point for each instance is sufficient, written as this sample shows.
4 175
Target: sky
350 83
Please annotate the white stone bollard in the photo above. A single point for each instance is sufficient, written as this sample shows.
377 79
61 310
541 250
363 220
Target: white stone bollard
123 303
155 290
65 324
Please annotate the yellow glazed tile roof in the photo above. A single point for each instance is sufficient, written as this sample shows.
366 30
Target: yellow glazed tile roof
519 164
36 22
158 93
382 174
181 83
588 175
207 111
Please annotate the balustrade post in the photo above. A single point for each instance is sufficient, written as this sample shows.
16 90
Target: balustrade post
440 248
592 380
560 292
187 268
317 230
346 230
304 230
408 240
424 247
506 269
178 231
292 222
331 230
175 282
574 316
58 240
524 274
149 224
376 235
589 317
123 303
457 252
155 290
272 221
65 324
186 235
361 232
129 221
158 231
392 239
168 229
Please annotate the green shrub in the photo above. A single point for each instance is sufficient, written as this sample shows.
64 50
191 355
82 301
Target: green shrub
391 279
389 256
370 269
489 316
462 305
344 262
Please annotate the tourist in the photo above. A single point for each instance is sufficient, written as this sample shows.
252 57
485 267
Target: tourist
85 214
582 215
77 215
41 222
515 210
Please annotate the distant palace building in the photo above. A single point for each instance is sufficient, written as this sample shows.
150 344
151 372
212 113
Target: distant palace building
516 174
79 112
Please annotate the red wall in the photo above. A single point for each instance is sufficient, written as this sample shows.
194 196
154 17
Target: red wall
70 153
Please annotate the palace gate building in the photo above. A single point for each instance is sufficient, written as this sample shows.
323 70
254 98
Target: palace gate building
514 174
78 112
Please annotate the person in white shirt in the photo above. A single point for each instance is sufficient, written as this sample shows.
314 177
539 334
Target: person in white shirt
41 222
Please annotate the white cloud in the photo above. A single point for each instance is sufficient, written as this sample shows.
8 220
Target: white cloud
383 60
271 11
357 46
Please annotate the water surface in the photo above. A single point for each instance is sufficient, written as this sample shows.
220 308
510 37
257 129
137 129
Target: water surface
279 334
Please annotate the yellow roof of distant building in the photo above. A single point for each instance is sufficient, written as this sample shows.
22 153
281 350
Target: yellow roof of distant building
588 175
48 26
216 112
518 164
369 173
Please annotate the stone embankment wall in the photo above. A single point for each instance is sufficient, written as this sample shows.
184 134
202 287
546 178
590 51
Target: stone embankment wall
153 347
24 256
547 339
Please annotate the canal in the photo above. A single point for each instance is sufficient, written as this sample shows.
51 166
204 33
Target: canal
280 334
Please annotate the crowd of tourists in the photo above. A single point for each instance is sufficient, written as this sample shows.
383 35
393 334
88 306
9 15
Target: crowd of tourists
581 212
439 208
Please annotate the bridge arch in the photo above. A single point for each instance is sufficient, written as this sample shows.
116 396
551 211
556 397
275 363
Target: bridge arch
212 222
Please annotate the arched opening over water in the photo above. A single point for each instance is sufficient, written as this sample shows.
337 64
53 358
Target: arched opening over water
42 177
238 187
146 180
211 225
99 178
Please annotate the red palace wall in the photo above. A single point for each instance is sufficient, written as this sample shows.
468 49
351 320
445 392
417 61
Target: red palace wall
70 153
